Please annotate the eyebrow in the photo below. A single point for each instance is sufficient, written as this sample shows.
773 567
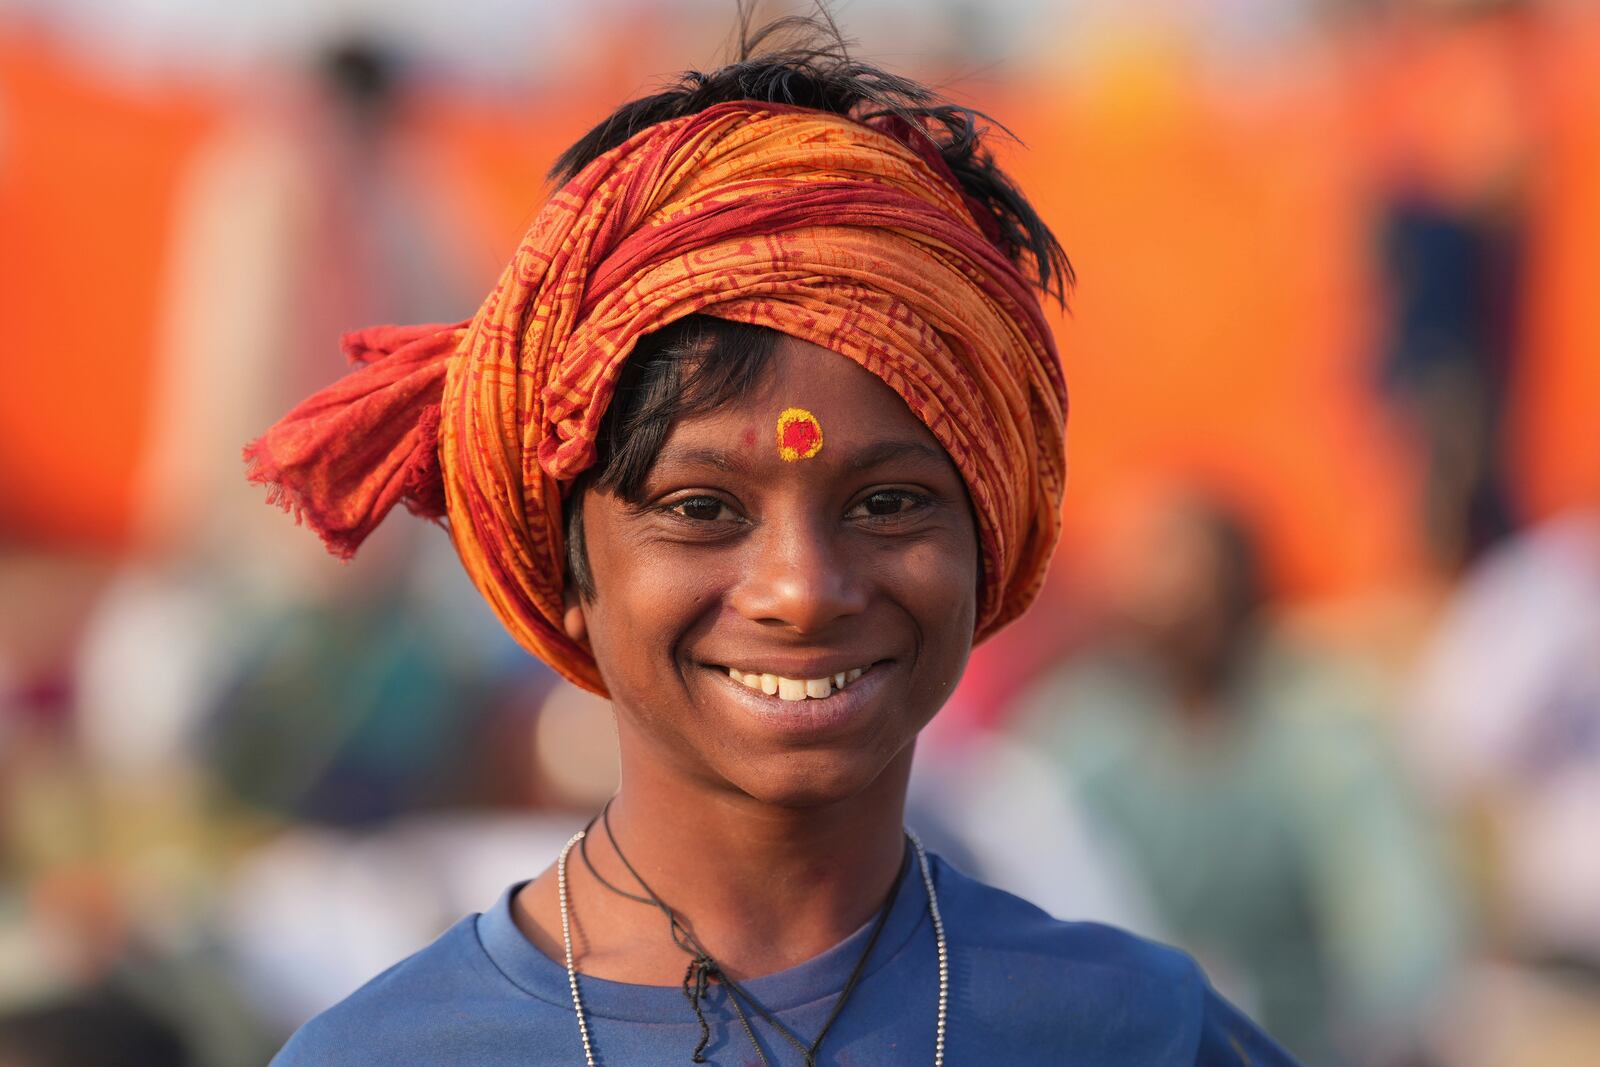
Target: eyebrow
882 452
873 455
717 458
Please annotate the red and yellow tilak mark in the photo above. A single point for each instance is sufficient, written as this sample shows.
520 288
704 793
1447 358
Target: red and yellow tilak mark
799 434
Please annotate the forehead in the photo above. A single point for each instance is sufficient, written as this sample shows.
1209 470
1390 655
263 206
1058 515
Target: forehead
806 383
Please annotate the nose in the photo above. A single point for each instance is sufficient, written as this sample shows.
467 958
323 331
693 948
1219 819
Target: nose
799 577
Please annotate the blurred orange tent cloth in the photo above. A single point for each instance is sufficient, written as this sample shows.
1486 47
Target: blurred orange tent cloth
89 169
1558 406
1224 323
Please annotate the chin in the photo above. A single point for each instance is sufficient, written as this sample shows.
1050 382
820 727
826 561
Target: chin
804 780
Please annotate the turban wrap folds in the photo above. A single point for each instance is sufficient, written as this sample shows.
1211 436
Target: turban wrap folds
851 235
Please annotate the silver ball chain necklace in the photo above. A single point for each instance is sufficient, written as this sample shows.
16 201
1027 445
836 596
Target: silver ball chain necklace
933 914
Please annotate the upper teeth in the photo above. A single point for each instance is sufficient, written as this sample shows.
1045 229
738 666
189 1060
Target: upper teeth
796 688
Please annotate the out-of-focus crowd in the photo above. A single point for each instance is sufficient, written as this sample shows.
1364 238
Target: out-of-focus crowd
237 778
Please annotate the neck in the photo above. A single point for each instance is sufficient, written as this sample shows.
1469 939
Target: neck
762 887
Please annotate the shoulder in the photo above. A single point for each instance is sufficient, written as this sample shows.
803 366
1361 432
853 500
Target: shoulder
424 1010
1108 995
1018 951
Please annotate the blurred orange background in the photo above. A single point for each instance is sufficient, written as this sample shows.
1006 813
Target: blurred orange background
216 745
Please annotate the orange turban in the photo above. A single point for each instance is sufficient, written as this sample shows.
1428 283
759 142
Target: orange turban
851 235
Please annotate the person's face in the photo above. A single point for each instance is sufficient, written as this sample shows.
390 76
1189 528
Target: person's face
1170 590
860 558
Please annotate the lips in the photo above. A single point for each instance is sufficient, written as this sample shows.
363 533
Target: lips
795 689
802 717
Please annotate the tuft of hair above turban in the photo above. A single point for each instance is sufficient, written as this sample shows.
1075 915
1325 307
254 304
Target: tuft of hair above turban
832 230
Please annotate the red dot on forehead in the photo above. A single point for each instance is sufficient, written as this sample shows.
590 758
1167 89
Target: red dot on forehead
800 435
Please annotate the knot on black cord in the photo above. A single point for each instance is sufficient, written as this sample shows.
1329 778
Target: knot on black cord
696 982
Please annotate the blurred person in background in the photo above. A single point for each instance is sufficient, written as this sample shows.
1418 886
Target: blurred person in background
766 380
310 209
1452 242
1249 786
1452 278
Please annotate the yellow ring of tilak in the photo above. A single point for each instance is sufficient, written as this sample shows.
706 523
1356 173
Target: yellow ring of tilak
792 417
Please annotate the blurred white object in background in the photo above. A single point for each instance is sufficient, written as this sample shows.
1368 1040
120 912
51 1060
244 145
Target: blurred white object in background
150 664
1508 721
1007 809
314 914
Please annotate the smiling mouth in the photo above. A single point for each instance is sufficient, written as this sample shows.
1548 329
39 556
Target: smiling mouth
796 689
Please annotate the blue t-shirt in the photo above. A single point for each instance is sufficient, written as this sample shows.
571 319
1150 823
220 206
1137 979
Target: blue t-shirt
1025 990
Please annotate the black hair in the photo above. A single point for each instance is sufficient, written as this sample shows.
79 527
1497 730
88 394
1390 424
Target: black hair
699 363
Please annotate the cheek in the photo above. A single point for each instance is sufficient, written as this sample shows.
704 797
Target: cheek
646 603
937 583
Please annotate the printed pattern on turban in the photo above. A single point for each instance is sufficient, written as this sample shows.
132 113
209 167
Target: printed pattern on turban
851 235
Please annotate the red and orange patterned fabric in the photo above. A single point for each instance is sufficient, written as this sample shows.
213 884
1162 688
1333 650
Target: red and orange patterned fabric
850 235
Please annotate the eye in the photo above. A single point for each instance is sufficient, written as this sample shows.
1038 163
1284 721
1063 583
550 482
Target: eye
701 509
887 503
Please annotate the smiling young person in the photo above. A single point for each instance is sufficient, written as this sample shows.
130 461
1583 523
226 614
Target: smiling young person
760 430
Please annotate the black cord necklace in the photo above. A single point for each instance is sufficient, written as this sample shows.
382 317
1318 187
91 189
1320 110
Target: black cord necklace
703 969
